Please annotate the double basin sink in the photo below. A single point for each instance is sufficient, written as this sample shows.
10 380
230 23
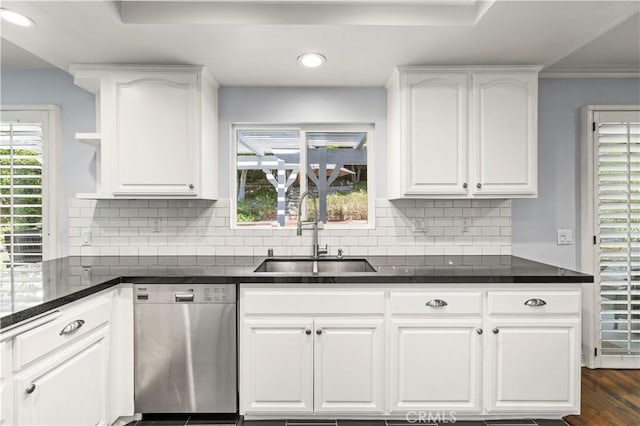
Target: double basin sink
311 266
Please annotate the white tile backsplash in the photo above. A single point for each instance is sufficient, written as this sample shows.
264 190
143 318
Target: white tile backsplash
190 227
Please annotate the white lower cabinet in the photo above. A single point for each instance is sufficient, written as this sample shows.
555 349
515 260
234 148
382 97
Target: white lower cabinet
436 365
278 366
69 389
348 366
300 366
474 351
71 366
534 365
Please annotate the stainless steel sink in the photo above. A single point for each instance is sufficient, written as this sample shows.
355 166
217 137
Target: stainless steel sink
306 265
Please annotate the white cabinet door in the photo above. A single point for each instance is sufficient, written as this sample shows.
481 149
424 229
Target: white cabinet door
504 128
349 366
436 364
435 132
276 361
156 122
66 389
534 365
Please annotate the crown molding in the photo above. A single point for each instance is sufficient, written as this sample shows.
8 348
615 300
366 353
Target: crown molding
591 72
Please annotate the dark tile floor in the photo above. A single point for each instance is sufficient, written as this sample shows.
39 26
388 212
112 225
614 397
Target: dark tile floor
188 421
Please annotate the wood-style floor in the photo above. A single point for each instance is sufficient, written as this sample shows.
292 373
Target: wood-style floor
609 397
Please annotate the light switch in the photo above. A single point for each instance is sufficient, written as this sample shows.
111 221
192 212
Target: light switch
565 237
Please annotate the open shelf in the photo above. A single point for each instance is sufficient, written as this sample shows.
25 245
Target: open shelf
89 138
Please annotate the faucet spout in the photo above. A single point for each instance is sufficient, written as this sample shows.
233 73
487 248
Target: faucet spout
316 247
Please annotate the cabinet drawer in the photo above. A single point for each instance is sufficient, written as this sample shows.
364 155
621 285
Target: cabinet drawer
436 302
312 302
534 302
76 322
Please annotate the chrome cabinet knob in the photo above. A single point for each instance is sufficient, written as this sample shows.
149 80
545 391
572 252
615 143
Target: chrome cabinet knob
479 185
191 186
496 331
479 330
465 185
30 388
319 331
307 331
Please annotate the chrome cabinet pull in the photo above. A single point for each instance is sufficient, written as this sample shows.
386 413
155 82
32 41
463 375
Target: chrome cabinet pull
30 388
191 186
307 332
535 302
436 303
464 185
479 185
71 327
319 331
496 331
479 330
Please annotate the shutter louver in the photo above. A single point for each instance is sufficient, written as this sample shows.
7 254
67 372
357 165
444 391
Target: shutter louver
21 158
618 189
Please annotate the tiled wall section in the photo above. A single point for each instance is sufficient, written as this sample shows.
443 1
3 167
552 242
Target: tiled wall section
197 227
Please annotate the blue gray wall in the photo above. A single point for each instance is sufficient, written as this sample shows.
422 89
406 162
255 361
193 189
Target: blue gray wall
304 105
77 109
535 221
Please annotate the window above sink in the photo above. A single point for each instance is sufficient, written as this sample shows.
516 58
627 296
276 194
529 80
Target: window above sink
274 164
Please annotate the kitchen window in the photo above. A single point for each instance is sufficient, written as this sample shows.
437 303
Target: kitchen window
275 164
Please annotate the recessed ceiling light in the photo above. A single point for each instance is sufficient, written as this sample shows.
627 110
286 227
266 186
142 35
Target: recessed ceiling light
312 60
15 17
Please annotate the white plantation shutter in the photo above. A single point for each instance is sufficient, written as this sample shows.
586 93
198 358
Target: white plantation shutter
21 192
617 145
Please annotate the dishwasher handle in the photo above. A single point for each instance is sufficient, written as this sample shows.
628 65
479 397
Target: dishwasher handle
184 297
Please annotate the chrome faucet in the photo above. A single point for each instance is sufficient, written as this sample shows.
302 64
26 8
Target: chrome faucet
317 251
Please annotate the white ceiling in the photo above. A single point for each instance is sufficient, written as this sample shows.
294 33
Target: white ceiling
14 57
619 47
362 39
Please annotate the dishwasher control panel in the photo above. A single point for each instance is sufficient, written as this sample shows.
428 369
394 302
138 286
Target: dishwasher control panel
185 293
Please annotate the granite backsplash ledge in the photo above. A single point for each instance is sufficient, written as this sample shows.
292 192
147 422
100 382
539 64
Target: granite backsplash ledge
198 227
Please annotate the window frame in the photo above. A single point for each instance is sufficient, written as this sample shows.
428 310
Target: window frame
52 246
303 129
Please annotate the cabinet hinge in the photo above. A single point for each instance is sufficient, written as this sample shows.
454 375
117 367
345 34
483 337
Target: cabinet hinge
594 126
595 351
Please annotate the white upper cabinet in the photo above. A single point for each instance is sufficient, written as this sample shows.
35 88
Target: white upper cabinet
436 155
461 132
157 130
504 133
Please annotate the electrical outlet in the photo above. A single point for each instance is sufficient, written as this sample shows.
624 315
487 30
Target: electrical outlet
420 226
156 224
85 235
565 237
86 275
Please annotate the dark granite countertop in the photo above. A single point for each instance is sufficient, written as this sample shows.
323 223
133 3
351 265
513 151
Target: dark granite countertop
33 289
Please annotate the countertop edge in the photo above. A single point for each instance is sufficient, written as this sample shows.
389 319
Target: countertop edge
29 313
372 278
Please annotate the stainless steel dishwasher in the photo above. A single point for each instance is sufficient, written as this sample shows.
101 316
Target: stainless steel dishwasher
185 348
